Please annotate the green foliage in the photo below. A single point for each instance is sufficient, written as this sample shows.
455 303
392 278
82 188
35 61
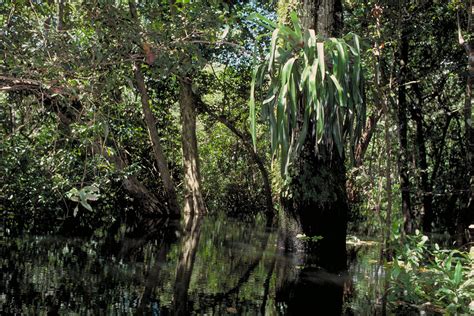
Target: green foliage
83 196
231 179
427 274
314 88
309 239
66 131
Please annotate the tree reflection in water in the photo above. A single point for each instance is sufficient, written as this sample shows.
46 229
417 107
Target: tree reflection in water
185 265
214 265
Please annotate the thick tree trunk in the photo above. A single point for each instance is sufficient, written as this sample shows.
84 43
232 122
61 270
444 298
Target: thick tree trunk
318 201
324 16
403 134
317 190
160 157
193 200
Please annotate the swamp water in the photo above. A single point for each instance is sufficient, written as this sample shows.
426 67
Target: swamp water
215 266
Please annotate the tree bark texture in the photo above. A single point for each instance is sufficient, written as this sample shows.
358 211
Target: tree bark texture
150 122
193 200
323 16
60 26
366 137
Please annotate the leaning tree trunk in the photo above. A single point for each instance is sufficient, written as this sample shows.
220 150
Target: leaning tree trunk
318 199
158 152
193 200
150 122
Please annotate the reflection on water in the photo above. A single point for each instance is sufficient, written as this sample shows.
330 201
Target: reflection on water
213 265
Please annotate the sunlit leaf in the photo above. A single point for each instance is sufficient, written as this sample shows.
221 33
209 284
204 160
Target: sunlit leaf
322 67
273 49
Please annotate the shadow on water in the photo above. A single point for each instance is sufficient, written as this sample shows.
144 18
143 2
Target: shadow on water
213 265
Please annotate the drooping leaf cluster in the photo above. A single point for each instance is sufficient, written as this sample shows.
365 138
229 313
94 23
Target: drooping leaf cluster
314 89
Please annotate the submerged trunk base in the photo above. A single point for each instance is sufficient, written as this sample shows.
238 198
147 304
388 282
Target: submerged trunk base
318 203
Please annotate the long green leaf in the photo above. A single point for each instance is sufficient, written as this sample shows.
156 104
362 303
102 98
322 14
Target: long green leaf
322 64
263 21
253 128
285 146
281 109
304 77
286 71
457 273
296 24
273 133
294 102
272 49
304 129
338 88
312 87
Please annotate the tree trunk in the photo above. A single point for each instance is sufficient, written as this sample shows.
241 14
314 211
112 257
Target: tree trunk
150 122
403 134
148 201
318 201
359 154
193 200
426 188
381 103
366 137
317 190
160 157
388 184
323 16
60 26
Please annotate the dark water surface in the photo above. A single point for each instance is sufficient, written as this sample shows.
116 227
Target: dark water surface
215 266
